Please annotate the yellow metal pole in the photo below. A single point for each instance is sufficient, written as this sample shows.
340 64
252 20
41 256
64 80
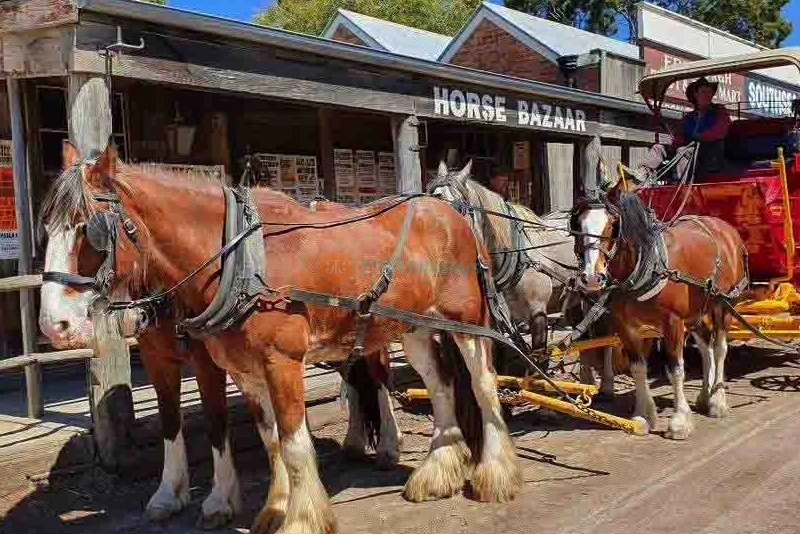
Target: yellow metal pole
788 229
628 425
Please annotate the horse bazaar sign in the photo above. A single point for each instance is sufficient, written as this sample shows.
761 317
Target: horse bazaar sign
493 108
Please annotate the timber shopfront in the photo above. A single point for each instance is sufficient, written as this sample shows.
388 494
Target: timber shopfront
322 117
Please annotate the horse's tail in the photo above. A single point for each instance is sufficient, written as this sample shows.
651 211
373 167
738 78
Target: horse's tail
367 387
468 413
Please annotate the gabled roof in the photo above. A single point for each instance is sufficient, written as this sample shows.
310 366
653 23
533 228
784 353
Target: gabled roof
550 39
389 36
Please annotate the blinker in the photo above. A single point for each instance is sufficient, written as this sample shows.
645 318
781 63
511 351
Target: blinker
101 231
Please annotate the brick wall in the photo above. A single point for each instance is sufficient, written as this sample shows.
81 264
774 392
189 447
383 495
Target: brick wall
493 49
346 36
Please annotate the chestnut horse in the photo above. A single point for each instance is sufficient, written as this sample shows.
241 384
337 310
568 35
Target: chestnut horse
266 352
369 401
621 241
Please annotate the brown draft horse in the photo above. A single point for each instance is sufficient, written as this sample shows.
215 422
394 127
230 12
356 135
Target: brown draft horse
266 354
619 233
370 406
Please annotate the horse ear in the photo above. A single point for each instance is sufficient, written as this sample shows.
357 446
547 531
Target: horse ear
105 165
69 154
442 172
465 173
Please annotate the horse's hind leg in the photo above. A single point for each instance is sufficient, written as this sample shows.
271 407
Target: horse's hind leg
443 471
705 343
680 424
164 373
225 499
498 476
718 403
391 436
607 382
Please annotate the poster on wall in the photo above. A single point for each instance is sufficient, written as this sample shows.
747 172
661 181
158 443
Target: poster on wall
343 167
270 170
365 171
9 235
522 159
288 172
387 177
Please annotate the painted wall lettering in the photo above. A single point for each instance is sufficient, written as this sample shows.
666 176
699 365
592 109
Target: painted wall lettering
468 105
768 99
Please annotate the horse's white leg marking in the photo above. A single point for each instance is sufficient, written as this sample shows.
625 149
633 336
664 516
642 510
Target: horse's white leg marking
308 510
718 404
391 436
709 372
498 476
645 406
172 494
607 382
680 424
272 514
443 471
355 443
225 498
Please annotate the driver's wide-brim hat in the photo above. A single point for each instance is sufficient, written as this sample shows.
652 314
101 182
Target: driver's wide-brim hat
691 89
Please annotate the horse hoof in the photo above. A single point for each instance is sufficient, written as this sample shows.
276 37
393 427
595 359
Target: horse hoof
269 520
680 427
718 410
442 474
164 503
215 520
354 454
387 460
641 426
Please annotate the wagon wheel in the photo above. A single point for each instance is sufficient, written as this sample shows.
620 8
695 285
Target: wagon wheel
787 383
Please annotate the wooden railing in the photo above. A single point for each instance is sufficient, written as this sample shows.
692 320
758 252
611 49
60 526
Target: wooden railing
108 382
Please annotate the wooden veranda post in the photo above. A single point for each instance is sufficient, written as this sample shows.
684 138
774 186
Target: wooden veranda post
325 145
33 372
109 375
406 153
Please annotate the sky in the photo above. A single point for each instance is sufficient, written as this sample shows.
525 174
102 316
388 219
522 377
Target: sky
245 9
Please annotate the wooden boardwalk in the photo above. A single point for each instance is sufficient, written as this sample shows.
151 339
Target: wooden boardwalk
62 440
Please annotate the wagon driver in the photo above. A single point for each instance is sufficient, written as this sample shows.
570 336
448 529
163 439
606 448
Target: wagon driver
707 124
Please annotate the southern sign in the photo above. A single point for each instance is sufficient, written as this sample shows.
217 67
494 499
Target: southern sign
468 105
9 237
768 98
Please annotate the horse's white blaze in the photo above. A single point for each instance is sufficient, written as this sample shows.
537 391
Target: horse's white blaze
173 492
593 223
63 316
225 497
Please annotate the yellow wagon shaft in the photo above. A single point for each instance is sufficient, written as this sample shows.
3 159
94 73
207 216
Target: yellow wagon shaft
529 397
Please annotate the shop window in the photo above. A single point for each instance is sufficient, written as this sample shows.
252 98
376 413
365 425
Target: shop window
53 129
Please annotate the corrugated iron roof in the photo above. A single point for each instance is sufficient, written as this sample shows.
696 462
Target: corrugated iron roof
562 39
392 37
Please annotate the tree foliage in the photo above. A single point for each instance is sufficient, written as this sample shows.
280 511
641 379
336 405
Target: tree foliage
311 16
760 21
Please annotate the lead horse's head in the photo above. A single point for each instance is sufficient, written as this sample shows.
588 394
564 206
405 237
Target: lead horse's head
595 223
85 258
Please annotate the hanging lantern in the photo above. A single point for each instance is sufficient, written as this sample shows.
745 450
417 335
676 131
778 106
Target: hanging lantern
180 136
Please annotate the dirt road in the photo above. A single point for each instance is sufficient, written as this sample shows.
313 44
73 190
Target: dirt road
733 476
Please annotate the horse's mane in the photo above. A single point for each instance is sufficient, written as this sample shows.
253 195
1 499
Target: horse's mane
637 222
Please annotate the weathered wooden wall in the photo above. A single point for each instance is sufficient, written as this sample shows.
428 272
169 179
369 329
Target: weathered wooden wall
560 175
620 76
22 15
612 155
